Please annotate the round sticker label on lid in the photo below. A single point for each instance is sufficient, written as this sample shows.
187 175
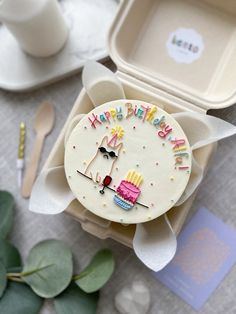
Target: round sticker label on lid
185 45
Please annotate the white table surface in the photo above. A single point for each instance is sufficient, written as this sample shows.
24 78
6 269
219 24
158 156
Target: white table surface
217 193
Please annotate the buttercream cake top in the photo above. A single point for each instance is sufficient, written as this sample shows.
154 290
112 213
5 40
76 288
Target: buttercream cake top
128 161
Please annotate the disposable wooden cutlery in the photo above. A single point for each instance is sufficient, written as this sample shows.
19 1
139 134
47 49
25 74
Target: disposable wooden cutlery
43 124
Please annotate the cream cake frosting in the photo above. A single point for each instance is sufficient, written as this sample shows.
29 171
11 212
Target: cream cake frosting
128 161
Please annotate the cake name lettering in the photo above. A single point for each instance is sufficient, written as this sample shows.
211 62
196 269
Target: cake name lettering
145 114
141 112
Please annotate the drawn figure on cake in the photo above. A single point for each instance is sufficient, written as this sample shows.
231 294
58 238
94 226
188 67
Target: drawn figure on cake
102 164
128 190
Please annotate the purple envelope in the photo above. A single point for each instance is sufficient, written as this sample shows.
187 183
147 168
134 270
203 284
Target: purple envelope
205 254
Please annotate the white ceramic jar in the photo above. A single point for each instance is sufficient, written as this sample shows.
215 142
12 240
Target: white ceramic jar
38 26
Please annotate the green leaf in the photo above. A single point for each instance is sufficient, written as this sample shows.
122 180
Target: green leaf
97 273
6 213
19 299
74 300
9 255
14 269
3 279
48 268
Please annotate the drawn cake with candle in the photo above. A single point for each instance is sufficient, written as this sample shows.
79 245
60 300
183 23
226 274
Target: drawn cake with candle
128 190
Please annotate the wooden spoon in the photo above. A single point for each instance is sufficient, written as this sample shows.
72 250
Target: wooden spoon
43 124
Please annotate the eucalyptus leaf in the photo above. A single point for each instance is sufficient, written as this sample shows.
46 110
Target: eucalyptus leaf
75 301
19 299
9 255
48 268
14 269
3 279
97 273
6 213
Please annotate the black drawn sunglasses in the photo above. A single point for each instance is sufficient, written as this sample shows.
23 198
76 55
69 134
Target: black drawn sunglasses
104 151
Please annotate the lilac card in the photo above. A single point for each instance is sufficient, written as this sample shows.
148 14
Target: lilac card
206 252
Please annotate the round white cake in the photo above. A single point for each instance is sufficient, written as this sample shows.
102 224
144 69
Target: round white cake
128 161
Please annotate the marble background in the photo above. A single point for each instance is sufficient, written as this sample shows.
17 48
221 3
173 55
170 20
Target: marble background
217 193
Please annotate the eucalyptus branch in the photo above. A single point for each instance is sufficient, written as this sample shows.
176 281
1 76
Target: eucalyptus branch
14 274
47 273
12 278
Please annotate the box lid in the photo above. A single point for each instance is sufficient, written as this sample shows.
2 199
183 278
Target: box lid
185 47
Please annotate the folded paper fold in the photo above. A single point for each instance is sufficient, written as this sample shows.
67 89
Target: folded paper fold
155 243
51 193
201 130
